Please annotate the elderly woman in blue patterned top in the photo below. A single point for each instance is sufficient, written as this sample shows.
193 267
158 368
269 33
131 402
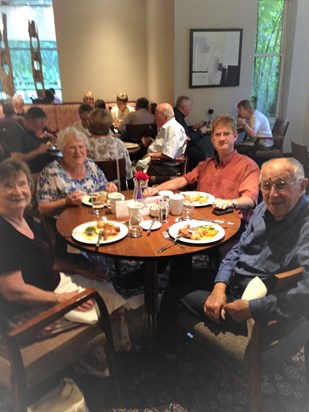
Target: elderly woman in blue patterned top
64 181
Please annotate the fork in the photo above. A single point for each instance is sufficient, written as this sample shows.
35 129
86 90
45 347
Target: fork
174 240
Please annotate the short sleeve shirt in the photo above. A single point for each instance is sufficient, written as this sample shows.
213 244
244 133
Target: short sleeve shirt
55 183
171 140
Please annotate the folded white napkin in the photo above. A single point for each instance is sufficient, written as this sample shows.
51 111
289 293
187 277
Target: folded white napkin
255 289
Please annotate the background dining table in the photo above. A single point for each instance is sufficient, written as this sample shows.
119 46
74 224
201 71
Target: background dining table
144 248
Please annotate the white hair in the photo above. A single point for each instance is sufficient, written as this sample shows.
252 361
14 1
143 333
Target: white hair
64 135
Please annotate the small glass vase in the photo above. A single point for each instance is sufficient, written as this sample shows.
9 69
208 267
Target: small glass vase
139 186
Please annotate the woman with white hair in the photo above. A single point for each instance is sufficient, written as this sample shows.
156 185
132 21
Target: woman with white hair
63 182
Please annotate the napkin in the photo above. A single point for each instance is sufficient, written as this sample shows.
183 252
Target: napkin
122 210
255 289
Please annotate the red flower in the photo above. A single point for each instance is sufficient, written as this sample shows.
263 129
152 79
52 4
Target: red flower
141 176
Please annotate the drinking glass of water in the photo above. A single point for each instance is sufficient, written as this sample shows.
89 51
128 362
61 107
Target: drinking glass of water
98 200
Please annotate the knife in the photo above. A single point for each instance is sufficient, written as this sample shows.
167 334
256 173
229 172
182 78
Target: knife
151 226
216 221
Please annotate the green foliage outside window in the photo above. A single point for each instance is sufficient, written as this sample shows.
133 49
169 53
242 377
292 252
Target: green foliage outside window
268 57
22 69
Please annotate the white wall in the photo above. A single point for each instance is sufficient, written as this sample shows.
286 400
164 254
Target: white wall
213 14
297 103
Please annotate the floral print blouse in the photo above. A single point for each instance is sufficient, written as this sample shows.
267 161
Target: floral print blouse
109 147
56 183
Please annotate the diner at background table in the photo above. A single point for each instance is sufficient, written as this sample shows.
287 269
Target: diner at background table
170 142
30 275
10 116
121 110
255 124
23 140
144 248
88 98
64 182
141 116
82 125
102 144
195 133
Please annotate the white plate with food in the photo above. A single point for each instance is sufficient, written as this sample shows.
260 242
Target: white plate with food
129 145
147 223
199 199
86 200
88 232
197 232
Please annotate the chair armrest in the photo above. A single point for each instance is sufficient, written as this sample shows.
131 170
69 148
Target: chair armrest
286 279
180 159
43 319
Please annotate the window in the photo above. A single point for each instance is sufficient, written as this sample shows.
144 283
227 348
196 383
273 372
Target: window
269 57
19 45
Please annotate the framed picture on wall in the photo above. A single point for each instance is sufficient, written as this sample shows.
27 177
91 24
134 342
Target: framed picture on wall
215 56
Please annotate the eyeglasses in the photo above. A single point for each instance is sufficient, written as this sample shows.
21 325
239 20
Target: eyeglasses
279 186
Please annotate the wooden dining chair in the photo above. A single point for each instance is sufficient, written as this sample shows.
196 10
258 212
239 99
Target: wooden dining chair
114 170
270 344
135 132
300 152
182 169
26 362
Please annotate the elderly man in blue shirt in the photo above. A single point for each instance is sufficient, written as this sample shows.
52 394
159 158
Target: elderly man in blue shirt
276 240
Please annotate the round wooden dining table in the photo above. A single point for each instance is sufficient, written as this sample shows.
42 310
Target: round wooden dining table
144 248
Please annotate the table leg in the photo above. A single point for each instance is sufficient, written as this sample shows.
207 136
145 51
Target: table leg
150 292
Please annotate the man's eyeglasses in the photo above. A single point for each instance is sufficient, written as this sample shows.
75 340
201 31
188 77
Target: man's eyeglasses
279 186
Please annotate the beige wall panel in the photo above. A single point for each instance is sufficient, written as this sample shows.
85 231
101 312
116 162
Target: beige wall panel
160 49
102 47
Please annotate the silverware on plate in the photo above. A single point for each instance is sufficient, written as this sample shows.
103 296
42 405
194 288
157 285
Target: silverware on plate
174 240
100 234
216 221
162 249
151 226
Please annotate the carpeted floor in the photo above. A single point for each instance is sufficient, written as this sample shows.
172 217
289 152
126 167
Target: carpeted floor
147 382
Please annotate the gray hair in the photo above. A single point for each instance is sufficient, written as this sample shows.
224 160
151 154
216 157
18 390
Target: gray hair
182 99
10 168
66 133
297 167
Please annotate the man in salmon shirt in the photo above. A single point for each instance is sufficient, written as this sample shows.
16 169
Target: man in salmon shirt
229 176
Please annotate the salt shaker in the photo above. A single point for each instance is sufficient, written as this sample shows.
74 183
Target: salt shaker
164 210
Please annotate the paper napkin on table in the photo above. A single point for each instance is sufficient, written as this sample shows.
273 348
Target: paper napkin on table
255 289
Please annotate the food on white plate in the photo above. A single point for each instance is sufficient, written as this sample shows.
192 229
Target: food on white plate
109 230
196 197
204 232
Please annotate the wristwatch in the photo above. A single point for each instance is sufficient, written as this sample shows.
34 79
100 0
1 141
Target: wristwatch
234 203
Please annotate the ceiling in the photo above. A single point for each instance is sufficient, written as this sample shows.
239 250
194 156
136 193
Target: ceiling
33 3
